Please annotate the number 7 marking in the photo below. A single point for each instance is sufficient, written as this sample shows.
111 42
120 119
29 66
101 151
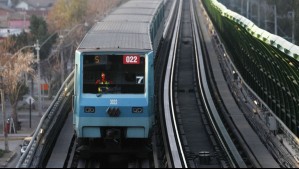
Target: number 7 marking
140 79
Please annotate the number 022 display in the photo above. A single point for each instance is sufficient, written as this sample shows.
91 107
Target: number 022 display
131 59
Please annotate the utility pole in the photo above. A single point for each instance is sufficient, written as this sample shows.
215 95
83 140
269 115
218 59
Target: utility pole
5 130
275 18
242 4
247 9
259 14
62 60
293 26
37 48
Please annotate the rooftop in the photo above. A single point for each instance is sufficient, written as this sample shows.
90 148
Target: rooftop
38 3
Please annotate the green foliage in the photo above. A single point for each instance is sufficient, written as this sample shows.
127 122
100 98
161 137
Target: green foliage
20 40
39 31
38 27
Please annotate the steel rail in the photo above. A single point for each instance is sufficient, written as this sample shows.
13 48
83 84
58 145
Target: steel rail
177 153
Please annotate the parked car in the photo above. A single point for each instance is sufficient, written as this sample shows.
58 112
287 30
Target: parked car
25 144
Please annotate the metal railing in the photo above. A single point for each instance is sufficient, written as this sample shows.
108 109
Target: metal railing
53 117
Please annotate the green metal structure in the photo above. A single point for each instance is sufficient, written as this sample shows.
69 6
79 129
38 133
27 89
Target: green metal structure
268 63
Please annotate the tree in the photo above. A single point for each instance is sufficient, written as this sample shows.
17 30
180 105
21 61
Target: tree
39 31
66 13
20 41
15 67
65 17
50 76
38 27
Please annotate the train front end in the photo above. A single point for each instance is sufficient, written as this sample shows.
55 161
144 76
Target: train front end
114 95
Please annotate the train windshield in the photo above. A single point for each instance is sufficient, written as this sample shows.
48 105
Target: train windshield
113 74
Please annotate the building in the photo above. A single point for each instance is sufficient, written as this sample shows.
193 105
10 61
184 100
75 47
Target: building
4 15
27 8
34 5
6 32
15 14
18 20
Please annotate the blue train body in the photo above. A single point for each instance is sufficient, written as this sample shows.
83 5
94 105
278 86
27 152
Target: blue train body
114 79
133 113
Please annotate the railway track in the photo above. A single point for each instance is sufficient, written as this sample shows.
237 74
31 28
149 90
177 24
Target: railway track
190 133
191 139
192 130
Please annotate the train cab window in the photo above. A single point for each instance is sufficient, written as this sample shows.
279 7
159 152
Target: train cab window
113 74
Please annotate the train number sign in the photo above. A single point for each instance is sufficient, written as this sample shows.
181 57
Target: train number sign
131 59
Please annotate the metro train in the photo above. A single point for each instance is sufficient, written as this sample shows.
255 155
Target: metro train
114 73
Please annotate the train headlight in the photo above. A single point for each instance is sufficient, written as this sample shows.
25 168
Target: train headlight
137 110
89 109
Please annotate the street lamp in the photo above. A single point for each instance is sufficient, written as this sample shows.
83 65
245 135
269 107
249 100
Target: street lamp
247 9
61 37
5 129
275 18
37 48
292 15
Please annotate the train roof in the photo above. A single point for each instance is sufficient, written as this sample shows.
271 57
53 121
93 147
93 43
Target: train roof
125 28
116 35
134 11
128 18
142 4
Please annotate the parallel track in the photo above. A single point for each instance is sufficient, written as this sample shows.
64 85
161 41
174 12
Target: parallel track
188 104
181 89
